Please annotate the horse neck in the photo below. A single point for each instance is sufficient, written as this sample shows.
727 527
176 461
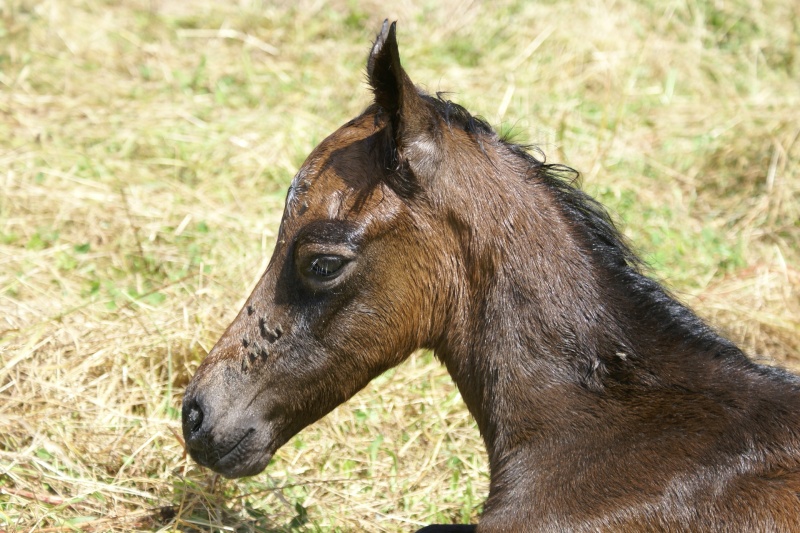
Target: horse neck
539 314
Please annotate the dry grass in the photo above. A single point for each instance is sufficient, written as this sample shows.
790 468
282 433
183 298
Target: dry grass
145 147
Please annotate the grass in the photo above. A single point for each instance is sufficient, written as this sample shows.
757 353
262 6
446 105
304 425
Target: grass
145 148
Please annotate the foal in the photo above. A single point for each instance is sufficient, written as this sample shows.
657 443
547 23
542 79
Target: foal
604 404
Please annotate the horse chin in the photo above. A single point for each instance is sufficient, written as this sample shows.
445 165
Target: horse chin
251 467
237 452
250 456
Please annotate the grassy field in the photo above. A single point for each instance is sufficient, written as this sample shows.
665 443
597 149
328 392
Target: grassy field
145 150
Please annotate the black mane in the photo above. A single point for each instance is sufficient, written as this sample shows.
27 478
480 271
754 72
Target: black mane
602 237
457 115
562 179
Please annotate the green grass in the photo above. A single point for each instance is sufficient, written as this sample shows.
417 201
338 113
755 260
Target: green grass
145 150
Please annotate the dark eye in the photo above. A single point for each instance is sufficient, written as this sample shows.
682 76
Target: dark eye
323 266
326 266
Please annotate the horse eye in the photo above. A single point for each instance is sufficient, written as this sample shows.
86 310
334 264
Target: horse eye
326 266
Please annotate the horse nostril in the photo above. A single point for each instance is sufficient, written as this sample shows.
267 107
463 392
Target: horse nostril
195 419
192 419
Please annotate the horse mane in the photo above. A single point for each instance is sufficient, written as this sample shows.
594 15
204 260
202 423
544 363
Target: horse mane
602 238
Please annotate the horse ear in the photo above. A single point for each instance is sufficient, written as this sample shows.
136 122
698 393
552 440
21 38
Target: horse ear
411 117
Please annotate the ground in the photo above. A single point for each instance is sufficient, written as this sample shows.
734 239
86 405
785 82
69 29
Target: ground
145 150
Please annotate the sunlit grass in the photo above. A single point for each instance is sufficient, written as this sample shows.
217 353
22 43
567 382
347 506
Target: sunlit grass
145 148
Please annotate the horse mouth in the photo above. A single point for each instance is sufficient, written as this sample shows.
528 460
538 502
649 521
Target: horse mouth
235 447
246 457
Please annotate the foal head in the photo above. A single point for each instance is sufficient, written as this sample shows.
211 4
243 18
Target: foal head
357 280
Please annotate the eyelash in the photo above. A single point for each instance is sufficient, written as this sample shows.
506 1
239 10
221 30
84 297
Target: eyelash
326 266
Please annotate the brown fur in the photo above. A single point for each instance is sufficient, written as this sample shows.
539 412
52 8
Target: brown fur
604 403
